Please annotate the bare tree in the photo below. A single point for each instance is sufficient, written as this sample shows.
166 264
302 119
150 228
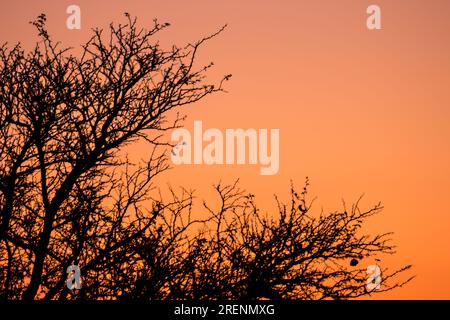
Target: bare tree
68 197
63 120
237 252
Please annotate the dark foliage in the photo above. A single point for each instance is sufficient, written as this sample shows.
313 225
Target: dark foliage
67 197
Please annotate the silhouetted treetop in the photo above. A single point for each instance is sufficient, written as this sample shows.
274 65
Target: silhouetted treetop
67 197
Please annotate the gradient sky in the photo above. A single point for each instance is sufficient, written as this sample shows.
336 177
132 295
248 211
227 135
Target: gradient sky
359 111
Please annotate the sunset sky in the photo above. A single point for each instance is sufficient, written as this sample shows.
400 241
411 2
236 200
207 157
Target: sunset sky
359 111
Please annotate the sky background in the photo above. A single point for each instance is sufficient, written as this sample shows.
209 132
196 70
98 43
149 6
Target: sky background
359 111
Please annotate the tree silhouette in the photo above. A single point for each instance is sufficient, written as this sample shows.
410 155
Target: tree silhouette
68 197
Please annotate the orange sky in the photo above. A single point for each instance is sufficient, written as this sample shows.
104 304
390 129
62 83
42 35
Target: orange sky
359 111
